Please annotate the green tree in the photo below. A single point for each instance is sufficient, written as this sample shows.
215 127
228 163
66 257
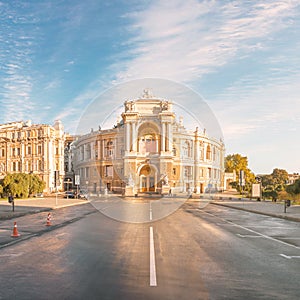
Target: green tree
236 163
22 185
274 183
294 189
277 177
35 184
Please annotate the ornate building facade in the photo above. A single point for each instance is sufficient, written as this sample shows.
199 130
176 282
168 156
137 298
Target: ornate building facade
33 148
149 150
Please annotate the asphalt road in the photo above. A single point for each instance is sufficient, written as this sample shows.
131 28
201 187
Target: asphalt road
193 253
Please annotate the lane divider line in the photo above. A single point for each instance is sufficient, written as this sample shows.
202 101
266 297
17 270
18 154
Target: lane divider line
255 232
153 281
150 212
289 256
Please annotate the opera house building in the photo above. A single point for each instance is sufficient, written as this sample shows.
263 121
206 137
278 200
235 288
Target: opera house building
148 151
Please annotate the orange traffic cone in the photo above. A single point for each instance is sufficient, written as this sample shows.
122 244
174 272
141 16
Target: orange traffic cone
48 220
15 231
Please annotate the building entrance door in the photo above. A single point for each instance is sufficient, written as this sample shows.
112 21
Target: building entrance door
147 179
151 184
144 184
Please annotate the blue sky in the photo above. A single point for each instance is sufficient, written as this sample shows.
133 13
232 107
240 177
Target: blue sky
242 57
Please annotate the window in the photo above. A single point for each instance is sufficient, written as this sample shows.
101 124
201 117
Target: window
188 172
147 143
29 150
88 151
81 153
174 151
214 153
174 171
187 149
208 152
109 149
108 171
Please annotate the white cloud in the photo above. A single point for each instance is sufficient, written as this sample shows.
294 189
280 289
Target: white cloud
182 40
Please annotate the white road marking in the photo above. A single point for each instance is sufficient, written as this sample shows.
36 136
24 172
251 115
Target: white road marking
248 236
152 260
289 256
150 212
11 254
273 227
253 231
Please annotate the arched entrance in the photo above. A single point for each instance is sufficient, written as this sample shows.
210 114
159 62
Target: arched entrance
148 179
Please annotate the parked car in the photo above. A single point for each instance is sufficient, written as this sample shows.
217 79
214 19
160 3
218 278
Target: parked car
38 195
82 195
69 194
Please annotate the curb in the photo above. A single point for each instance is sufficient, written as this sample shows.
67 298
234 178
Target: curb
289 218
12 215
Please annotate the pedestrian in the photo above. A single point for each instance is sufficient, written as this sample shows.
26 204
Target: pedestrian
11 200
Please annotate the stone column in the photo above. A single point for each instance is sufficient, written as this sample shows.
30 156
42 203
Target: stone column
163 137
102 148
98 149
134 137
127 137
170 137
196 165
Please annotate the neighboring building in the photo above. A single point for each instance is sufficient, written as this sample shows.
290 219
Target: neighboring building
228 179
293 177
33 148
147 149
69 179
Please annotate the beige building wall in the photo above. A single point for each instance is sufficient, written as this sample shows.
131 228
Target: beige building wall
32 148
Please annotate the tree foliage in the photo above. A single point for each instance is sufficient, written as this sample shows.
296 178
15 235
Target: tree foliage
274 183
279 177
294 188
236 163
22 185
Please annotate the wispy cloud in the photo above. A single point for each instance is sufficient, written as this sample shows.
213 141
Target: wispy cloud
15 61
182 40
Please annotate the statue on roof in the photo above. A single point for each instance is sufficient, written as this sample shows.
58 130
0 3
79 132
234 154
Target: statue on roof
165 105
128 106
147 94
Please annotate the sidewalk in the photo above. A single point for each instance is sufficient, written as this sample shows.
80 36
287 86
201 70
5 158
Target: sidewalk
35 205
261 207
